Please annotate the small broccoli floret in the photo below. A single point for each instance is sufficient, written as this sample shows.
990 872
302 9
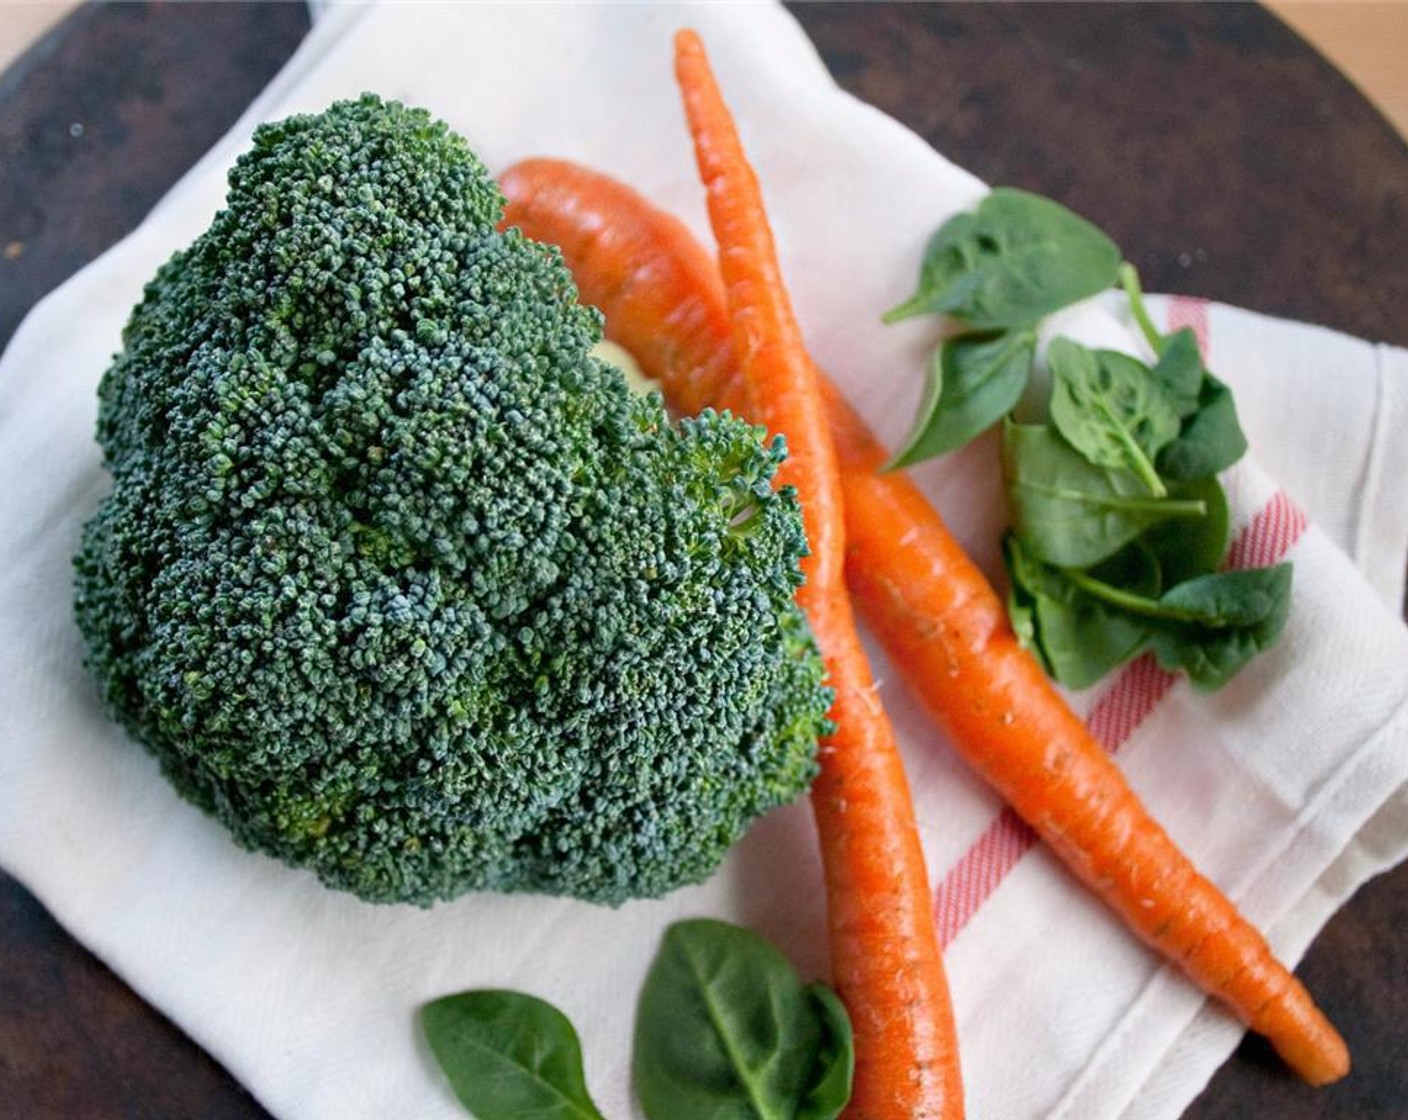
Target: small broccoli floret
404 586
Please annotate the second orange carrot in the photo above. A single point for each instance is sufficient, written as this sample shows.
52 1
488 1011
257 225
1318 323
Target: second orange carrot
884 949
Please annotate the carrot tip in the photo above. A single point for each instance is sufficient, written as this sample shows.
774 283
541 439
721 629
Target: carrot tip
1322 1060
1304 1038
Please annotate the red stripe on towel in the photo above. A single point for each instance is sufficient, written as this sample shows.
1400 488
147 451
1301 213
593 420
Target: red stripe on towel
1190 312
1278 526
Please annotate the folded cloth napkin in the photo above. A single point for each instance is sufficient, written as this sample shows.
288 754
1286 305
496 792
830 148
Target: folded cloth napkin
1290 786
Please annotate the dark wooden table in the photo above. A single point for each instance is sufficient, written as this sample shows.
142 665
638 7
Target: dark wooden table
1222 153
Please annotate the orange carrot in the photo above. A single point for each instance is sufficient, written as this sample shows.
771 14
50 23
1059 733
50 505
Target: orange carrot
884 948
943 624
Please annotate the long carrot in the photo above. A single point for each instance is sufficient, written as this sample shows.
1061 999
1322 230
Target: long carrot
884 949
933 609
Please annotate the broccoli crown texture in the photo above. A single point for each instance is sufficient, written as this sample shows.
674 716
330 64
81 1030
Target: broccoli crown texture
402 584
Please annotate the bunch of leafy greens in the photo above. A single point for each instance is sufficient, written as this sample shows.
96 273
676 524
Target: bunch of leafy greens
724 1029
1119 523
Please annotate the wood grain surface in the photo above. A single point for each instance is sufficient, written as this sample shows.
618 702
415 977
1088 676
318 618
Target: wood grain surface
1226 157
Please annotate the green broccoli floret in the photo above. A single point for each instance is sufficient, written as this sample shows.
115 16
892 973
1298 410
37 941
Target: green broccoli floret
399 582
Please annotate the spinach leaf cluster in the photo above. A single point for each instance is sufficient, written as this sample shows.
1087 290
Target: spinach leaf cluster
1119 524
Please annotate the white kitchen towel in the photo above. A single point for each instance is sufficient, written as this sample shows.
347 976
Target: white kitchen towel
1289 787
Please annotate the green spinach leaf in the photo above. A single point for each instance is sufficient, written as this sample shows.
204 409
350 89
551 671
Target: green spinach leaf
1236 616
1179 369
974 380
1240 598
1111 409
1245 597
1069 512
835 1064
1189 547
725 1030
1211 438
509 1056
1077 638
1015 259
1084 623
1210 626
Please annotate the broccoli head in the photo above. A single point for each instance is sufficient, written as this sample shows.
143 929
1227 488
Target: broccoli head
400 582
